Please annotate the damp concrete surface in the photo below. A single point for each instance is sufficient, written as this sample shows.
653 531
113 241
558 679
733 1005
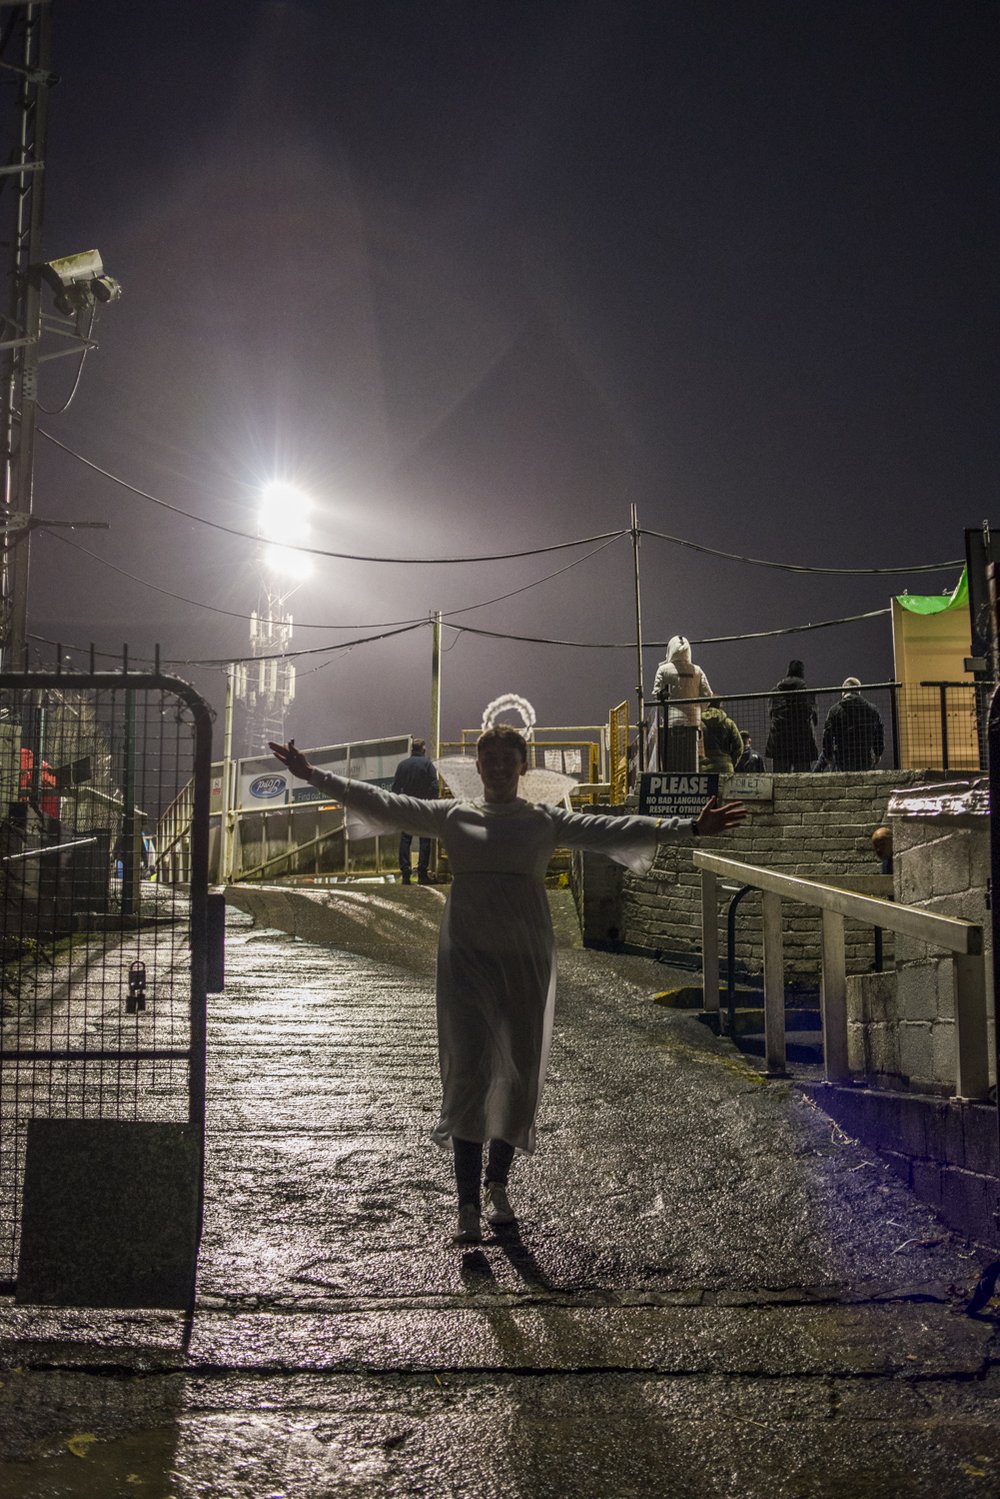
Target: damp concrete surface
710 1289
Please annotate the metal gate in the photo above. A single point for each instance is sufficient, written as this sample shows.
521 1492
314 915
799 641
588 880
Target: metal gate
105 969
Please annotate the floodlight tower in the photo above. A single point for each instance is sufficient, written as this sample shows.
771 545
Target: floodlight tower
78 285
26 50
267 682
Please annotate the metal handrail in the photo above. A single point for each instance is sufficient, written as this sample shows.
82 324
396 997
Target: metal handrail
964 939
50 848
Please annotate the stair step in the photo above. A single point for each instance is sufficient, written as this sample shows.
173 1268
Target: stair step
800 1045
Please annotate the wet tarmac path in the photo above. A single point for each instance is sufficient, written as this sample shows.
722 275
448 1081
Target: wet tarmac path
710 1291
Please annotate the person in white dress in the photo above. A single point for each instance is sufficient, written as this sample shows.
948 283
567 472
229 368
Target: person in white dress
496 951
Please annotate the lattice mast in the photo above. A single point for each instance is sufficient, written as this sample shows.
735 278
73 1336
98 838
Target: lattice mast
266 684
25 51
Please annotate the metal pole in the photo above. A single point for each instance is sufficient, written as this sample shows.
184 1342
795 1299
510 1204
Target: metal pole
994 902
225 822
634 526
130 862
21 387
894 721
436 687
731 957
991 594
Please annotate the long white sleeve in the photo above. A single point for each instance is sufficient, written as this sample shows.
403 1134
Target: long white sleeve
372 811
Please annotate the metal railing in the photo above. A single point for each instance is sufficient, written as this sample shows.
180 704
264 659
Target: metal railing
964 939
925 726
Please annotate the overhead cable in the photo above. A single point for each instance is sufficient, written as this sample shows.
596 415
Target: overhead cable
304 625
316 650
629 645
695 546
795 567
346 645
558 546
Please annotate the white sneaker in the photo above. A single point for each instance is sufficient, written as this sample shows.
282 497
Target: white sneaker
469 1228
498 1208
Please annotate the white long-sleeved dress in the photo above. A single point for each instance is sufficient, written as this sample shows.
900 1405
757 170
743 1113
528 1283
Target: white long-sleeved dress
496 964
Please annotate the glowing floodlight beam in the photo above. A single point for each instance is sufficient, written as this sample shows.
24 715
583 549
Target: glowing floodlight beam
283 523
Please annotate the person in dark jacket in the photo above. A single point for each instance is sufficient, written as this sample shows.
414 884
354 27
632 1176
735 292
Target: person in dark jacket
416 776
790 741
749 763
853 735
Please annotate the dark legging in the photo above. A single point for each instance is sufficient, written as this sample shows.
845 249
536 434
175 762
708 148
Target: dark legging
469 1167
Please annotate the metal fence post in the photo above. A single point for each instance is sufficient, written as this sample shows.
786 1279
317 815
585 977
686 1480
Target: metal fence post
774 984
130 861
943 691
833 994
709 942
972 1073
894 722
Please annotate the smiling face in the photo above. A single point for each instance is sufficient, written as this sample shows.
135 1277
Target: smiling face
501 764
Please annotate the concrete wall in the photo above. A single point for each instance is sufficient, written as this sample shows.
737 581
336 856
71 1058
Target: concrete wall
944 1150
818 826
942 864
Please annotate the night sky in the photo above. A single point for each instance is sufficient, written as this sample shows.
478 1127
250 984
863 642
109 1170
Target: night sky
479 276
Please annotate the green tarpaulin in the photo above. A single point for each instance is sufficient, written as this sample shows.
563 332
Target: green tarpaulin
937 603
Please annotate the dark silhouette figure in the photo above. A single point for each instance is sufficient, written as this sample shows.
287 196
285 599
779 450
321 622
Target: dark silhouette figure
749 763
853 735
416 776
790 740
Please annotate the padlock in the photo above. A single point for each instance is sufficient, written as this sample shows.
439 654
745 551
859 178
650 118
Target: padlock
136 988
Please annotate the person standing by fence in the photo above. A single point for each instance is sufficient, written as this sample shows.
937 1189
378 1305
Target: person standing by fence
416 776
722 742
678 680
853 734
790 741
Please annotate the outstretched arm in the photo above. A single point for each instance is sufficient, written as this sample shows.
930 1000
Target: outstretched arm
372 811
713 819
293 759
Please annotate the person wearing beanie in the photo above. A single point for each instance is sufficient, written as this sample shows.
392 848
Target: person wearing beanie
416 776
853 734
790 741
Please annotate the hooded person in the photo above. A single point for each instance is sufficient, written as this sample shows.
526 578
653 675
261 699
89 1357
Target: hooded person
677 681
790 740
722 742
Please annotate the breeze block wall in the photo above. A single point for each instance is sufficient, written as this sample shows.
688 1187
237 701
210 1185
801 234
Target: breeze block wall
941 838
818 826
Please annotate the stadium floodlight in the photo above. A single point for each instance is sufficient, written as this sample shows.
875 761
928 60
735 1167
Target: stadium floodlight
79 280
283 523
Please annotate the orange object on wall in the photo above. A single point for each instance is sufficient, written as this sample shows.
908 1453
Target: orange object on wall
48 801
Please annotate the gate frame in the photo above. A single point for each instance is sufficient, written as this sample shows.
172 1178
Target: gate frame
202 718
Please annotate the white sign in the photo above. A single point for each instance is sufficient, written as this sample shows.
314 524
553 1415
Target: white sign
674 794
749 788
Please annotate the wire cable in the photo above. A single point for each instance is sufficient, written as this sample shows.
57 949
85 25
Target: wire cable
347 645
695 546
629 645
303 625
58 410
316 650
795 567
143 494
